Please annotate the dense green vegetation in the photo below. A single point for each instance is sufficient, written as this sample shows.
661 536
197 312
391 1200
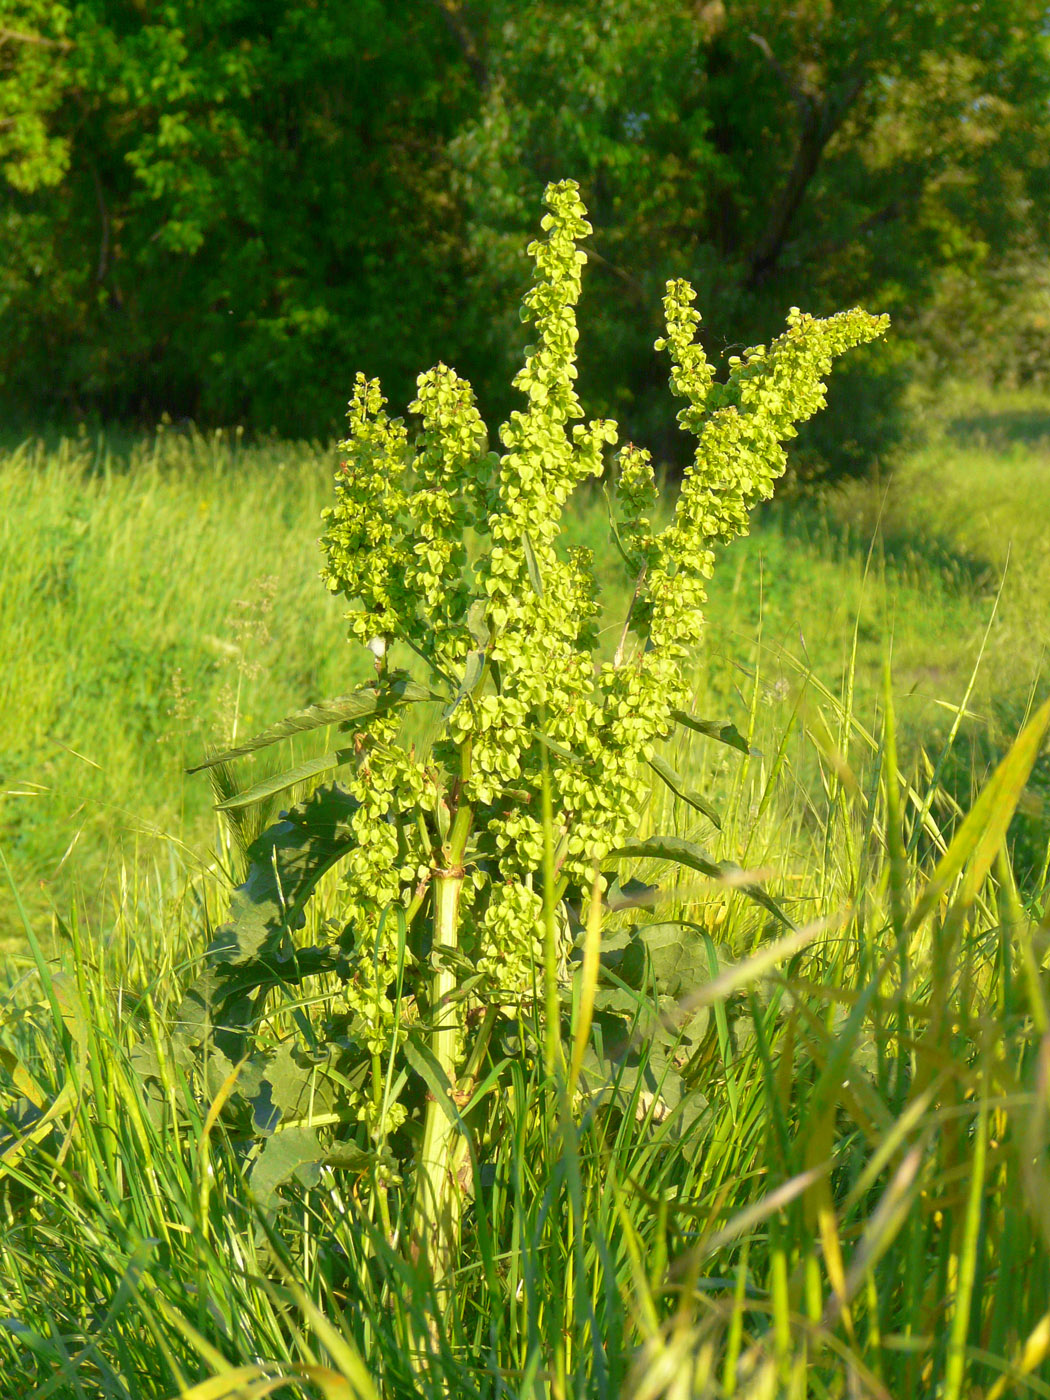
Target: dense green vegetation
140 623
143 548
642 988
214 210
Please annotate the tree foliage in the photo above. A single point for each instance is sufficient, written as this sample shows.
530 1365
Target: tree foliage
211 210
255 196
772 153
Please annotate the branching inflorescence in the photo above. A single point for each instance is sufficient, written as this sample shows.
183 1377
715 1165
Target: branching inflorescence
460 864
515 634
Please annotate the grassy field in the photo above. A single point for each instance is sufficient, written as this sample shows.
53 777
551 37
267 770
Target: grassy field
159 597
861 1209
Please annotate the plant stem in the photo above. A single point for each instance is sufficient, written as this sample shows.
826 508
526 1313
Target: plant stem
550 974
438 1201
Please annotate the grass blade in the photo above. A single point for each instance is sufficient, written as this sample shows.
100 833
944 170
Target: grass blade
985 825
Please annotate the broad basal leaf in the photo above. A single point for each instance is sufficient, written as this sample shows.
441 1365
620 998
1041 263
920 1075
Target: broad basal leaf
253 952
295 1152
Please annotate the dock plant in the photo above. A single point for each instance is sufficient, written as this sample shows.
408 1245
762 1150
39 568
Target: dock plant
475 868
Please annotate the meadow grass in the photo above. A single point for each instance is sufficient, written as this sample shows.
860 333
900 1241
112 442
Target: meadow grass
975 496
861 1209
161 594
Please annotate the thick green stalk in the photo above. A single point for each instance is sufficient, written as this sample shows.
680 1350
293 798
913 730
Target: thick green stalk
438 1197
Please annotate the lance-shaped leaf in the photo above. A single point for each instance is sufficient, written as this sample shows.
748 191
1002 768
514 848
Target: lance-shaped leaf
359 704
615 532
472 670
555 748
687 854
725 733
631 894
532 564
477 622
280 781
680 788
425 1063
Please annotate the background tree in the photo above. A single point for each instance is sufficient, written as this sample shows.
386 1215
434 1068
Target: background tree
221 243
818 153
224 211
33 76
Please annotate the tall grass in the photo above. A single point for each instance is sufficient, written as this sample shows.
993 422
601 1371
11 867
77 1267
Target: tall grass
860 1212
861 1209
140 616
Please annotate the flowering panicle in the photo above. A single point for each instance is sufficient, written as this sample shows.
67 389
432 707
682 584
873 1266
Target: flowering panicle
514 629
740 426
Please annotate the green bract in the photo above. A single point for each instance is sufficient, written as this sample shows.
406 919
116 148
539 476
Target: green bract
444 853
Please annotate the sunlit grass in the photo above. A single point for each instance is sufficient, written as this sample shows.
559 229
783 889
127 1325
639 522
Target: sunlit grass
861 1208
159 593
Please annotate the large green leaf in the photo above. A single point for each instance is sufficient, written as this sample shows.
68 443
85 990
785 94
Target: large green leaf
297 1083
253 953
675 954
279 782
283 1089
692 857
724 732
681 789
627 894
295 1152
645 1032
359 704
643 1083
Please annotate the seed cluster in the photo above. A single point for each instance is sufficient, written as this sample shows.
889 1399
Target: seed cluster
514 631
